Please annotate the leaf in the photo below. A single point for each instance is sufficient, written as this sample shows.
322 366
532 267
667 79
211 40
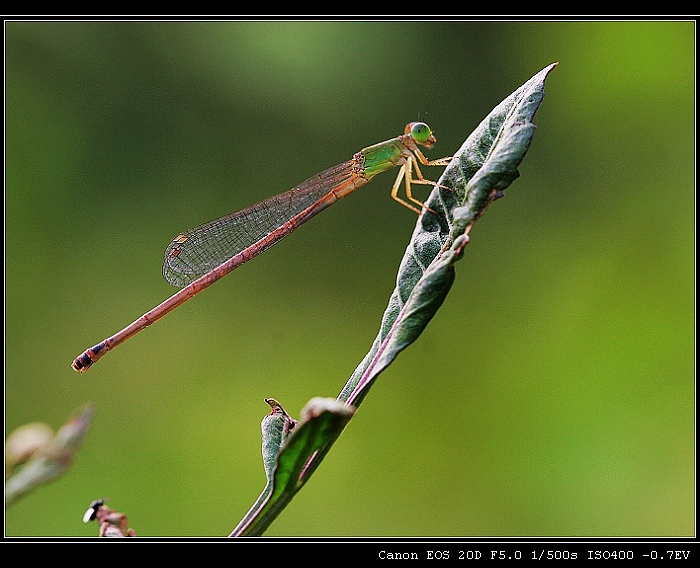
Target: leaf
287 448
480 171
275 427
52 459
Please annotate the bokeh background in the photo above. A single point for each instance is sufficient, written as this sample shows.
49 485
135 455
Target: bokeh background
553 393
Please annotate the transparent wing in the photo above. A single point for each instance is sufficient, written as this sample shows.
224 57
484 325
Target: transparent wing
195 252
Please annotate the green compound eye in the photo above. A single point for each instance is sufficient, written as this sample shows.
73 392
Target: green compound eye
420 132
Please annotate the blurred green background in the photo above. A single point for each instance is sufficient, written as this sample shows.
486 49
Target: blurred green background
553 393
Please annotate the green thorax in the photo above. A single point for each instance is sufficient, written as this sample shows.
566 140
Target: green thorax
383 156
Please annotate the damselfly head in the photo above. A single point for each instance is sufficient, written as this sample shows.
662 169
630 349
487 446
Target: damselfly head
420 132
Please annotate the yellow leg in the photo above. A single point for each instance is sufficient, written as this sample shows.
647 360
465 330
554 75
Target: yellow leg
420 179
397 184
439 162
406 175
410 181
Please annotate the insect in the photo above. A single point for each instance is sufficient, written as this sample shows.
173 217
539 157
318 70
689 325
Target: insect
197 258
